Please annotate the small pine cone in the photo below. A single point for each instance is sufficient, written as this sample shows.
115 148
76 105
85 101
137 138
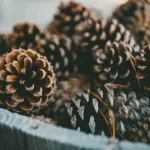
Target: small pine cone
25 35
113 64
59 50
139 131
69 16
135 16
27 81
93 34
4 44
142 65
44 119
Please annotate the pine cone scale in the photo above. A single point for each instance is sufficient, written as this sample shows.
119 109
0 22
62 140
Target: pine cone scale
11 103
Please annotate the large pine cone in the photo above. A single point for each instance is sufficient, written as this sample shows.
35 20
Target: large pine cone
86 113
92 35
143 67
95 34
25 35
120 107
135 16
69 16
27 81
114 64
61 52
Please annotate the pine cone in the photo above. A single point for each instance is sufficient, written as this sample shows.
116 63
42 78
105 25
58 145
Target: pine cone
129 106
69 16
82 112
4 44
135 16
142 65
27 81
139 131
113 64
60 51
25 35
93 34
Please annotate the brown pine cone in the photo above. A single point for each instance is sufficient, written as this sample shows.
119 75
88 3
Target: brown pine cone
143 67
113 64
135 16
27 81
93 34
69 16
61 52
25 35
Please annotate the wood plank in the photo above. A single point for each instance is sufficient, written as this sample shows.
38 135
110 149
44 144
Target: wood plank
23 133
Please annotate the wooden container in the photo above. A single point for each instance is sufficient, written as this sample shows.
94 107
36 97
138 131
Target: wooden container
23 133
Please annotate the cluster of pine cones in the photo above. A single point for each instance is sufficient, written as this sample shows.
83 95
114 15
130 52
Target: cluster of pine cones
101 66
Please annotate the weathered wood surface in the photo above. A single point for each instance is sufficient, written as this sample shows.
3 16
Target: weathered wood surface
22 133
